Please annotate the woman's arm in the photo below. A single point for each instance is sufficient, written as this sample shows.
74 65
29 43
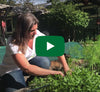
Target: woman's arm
23 63
64 63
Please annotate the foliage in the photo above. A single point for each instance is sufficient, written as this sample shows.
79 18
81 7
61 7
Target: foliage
81 80
66 18
70 15
28 6
92 54
23 6
3 1
9 2
55 2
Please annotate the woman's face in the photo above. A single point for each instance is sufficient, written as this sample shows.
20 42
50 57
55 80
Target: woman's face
33 31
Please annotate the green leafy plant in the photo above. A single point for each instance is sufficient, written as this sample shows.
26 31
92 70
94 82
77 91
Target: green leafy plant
67 19
70 15
92 54
81 80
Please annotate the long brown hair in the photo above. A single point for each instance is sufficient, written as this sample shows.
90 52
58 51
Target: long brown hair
21 35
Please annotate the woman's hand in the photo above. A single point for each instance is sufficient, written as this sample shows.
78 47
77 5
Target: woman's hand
67 70
60 73
64 63
23 63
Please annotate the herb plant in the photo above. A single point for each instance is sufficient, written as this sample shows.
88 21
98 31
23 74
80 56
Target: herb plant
92 54
81 80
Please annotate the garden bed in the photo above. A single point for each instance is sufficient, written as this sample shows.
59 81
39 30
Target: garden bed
81 80
85 75
84 78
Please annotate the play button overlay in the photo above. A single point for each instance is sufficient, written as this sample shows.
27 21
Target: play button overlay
49 46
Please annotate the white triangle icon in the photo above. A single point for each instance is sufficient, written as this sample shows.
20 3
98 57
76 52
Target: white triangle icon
49 46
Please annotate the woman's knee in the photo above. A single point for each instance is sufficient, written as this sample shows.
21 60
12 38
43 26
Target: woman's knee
13 81
45 63
42 62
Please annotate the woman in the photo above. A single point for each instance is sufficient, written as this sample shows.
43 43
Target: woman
21 56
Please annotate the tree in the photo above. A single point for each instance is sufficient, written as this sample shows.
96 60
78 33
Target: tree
24 6
28 5
3 1
11 2
67 18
